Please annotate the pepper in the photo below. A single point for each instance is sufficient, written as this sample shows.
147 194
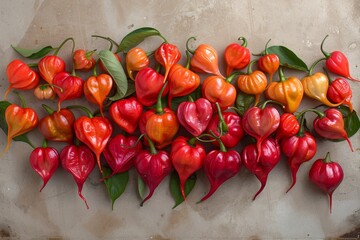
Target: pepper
195 116
253 83
97 88
126 113
167 55
330 125
136 59
152 166
205 59
326 175
337 63
270 157
288 127
83 60
44 91
20 76
340 91
148 84
237 56
182 81
57 126
269 63
120 152
79 161
162 123
219 166
288 91
187 157
50 66
227 126
44 160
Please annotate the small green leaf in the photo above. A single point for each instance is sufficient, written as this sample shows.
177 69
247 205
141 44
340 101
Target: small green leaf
243 102
116 184
33 53
288 58
175 187
115 69
141 188
135 37
351 120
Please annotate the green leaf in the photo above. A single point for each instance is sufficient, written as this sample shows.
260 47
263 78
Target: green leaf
141 188
115 69
116 184
131 88
33 53
243 102
175 187
3 125
288 58
135 37
351 121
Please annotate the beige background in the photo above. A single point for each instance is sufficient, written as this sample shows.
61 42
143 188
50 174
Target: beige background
58 213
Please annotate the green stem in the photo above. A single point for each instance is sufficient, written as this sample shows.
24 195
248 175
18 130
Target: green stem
320 114
152 148
46 85
222 124
263 105
32 65
44 143
48 109
22 99
266 51
63 43
249 68
327 158
94 70
192 141
244 41
314 65
111 41
328 75
188 58
281 75
233 75
90 53
301 130
187 45
190 99
149 54
86 110
326 54
221 145
158 107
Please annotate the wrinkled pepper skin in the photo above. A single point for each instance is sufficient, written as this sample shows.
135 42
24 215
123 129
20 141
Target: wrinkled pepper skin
187 157
288 127
83 60
331 126
340 91
136 59
45 161
218 90
270 157
195 116
70 87
326 175
20 76
49 66
167 55
205 60
44 92
237 56
120 152
126 113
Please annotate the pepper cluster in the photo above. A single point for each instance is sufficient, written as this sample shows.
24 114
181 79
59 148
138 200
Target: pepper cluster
158 115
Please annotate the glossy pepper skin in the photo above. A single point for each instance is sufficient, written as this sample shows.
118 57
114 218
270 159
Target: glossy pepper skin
187 157
288 127
45 161
288 91
83 60
261 167
340 91
69 87
120 152
326 175
136 59
167 55
97 88
237 56
152 166
195 116
331 126
269 63
126 113
79 161
57 126
20 76
44 91
49 66
148 84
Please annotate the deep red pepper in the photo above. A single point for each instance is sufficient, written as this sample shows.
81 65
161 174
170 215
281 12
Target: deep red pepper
83 60
289 126
69 87
327 175
120 152
237 56
79 161
269 63
270 157
49 66
340 91
195 116
187 157
167 55
126 113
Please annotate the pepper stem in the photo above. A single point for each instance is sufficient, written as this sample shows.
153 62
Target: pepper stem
327 158
44 143
301 130
281 75
221 145
233 75
244 41
320 114
192 141
48 109
63 43
266 51
314 65
249 68
223 127
188 58
158 107
263 105
152 148
85 109
22 99
111 41
326 54
187 45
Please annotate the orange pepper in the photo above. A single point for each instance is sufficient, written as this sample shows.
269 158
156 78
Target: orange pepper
136 59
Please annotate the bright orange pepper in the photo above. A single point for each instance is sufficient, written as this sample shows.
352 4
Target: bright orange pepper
136 59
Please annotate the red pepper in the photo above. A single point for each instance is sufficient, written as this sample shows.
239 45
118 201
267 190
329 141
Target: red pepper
327 175
69 87
83 60
340 91
167 55
288 127
331 126
58 125
126 113
49 66
270 157
337 63
136 59
120 152
269 63
20 76
148 84
152 166
79 161
195 116
219 166
236 56
44 160
97 88
187 157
